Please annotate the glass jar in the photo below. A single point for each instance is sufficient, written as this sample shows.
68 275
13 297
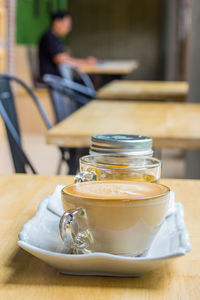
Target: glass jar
119 157
118 167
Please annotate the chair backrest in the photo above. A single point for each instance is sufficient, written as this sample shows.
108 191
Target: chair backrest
9 116
62 105
67 95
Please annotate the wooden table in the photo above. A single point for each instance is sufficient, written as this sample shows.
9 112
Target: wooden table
112 67
144 90
172 125
25 277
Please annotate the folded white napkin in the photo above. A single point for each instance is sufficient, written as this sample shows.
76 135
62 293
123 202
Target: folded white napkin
172 206
55 203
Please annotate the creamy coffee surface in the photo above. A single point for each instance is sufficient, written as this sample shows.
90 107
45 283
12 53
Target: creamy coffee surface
112 190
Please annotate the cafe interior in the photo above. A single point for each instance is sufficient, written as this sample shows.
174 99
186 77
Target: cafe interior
99 101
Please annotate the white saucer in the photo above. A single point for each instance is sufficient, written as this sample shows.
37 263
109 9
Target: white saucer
40 237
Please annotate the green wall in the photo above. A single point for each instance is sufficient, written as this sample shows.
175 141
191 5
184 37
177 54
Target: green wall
30 24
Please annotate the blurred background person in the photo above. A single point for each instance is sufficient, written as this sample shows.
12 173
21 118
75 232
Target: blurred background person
52 54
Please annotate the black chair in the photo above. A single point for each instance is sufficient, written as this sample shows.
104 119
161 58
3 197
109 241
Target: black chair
9 116
66 97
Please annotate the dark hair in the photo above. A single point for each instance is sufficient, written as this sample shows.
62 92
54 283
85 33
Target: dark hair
59 15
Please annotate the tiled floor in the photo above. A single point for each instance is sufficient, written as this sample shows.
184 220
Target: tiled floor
173 164
45 158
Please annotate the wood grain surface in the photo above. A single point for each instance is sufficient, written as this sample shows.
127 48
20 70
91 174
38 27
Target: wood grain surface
144 90
172 125
23 276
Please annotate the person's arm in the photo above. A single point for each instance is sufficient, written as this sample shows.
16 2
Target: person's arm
65 58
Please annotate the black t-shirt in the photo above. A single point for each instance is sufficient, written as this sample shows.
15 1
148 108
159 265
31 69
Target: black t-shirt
50 45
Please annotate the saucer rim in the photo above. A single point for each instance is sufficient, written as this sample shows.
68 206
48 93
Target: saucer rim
43 206
26 245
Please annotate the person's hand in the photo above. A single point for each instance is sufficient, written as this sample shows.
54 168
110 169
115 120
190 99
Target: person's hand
91 60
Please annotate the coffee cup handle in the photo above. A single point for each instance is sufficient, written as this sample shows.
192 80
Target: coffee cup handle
86 176
74 231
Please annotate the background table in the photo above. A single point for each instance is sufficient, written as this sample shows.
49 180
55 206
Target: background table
111 67
23 276
144 90
105 71
171 125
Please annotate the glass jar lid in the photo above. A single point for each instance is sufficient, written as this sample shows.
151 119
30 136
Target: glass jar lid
121 143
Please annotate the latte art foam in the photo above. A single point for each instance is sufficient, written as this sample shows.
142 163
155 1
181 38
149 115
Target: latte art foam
115 190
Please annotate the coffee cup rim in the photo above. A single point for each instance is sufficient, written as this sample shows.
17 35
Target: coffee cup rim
111 200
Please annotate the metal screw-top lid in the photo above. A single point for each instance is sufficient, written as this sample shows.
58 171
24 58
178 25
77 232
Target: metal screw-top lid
122 144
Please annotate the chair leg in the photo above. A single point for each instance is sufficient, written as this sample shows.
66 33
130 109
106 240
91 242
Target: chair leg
75 154
72 161
59 166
